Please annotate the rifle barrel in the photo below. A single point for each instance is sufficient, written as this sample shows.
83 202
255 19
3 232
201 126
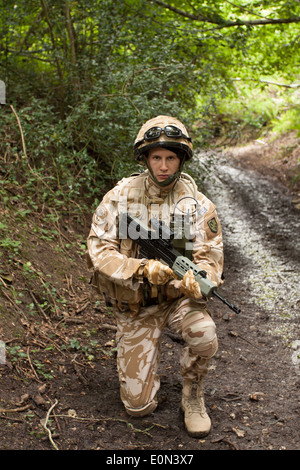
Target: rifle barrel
231 306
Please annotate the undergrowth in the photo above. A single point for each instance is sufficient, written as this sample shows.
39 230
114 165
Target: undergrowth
252 112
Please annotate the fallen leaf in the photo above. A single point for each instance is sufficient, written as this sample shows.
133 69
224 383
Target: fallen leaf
72 413
256 396
239 432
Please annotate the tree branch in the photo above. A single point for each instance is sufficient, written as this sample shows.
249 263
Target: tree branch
61 88
71 34
293 85
47 17
221 22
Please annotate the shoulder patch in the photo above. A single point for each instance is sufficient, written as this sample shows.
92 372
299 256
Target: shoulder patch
213 225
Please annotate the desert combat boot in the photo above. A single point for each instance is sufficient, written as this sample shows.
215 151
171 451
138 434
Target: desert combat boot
196 420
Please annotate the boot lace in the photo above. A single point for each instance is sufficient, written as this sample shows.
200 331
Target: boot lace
195 403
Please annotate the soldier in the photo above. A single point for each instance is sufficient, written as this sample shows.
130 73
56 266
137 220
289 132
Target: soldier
145 294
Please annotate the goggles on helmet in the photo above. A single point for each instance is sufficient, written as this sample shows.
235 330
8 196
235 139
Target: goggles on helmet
170 131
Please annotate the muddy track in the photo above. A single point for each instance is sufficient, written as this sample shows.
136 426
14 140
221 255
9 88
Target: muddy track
261 223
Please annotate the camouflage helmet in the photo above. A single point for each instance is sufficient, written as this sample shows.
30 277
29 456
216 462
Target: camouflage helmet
163 131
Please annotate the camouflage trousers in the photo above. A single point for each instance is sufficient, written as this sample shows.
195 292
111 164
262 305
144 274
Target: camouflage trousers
139 347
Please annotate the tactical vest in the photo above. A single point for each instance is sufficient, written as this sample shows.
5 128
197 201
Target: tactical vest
143 200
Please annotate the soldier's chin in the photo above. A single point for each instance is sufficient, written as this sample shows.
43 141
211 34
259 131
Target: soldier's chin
167 179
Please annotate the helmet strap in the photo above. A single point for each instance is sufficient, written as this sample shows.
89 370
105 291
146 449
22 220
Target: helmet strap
170 179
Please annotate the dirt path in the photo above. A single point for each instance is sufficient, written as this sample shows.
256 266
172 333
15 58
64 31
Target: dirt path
59 385
261 224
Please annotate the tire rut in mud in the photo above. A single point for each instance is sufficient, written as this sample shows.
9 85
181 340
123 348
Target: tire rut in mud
261 224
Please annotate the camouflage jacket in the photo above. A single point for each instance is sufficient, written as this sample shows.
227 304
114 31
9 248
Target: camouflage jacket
115 261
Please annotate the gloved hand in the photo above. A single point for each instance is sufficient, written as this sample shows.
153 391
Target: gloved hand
158 273
172 289
190 287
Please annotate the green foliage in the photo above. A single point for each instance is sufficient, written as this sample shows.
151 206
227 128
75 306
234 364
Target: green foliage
290 121
251 110
289 117
83 77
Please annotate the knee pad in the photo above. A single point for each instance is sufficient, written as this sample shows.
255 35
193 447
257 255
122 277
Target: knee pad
137 405
142 410
199 332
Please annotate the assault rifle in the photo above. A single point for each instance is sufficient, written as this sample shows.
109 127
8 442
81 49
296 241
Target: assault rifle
156 243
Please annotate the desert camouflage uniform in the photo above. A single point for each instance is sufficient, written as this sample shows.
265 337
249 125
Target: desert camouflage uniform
142 310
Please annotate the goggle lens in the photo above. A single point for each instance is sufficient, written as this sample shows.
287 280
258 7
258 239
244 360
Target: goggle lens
152 133
170 131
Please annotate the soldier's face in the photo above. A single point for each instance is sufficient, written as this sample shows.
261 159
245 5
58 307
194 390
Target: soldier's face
163 163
